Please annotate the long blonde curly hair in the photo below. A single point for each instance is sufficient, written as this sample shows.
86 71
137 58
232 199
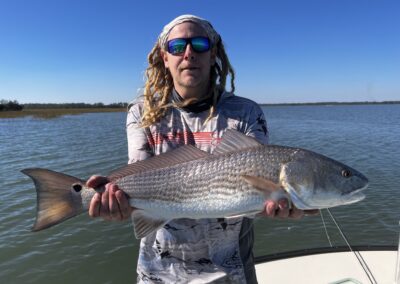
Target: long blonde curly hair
159 84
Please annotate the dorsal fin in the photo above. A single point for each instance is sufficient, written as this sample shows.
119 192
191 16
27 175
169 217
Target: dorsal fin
180 155
233 140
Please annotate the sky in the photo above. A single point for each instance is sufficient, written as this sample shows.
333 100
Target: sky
61 51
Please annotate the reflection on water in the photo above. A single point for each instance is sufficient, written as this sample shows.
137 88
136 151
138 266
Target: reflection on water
84 250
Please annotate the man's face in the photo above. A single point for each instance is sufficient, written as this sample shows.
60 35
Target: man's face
190 70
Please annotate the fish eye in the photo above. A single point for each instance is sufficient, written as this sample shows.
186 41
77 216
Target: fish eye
346 173
77 187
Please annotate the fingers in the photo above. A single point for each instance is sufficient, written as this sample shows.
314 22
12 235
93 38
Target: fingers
281 209
270 208
119 204
112 204
115 212
104 206
94 207
277 208
96 181
124 206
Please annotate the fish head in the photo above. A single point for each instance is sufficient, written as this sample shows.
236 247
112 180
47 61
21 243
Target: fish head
314 181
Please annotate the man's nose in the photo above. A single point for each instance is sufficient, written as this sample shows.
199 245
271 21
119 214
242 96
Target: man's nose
189 53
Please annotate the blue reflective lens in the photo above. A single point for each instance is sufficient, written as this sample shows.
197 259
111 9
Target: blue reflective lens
178 45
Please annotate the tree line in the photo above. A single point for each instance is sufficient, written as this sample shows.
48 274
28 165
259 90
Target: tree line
10 105
334 103
6 105
75 105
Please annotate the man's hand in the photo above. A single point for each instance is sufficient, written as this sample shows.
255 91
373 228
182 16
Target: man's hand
280 209
112 204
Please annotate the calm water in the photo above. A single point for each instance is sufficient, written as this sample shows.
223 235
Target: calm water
83 250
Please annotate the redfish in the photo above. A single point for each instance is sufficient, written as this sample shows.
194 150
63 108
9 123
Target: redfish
235 180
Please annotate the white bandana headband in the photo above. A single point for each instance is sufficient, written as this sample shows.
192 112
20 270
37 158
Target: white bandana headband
206 25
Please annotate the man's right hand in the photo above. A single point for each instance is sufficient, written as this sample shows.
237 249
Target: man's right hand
112 204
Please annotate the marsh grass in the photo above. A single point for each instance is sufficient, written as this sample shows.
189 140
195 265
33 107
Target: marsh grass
55 112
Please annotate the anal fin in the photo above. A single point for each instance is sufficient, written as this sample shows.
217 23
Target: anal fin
144 224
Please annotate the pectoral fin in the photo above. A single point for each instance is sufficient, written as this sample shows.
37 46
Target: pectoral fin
144 224
272 190
262 183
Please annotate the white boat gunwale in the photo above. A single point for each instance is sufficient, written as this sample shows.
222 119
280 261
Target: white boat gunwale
321 250
338 264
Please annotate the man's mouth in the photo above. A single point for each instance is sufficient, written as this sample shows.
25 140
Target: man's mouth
189 68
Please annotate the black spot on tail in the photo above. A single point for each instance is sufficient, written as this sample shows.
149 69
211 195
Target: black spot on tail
77 187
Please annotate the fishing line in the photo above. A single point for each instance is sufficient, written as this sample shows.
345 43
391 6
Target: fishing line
326 229
397 273
356 253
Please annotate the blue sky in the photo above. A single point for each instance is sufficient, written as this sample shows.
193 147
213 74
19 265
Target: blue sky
282 51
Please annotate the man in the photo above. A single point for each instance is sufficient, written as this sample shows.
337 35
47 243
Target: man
185 102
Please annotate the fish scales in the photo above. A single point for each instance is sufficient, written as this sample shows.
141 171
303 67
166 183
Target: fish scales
202 186
235 180
147 184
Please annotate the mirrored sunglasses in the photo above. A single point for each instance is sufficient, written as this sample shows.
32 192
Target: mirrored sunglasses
199 44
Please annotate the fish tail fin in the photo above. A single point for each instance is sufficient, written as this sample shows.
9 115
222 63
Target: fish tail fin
57 201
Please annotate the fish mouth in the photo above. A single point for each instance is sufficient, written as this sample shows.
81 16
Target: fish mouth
356 195
357 191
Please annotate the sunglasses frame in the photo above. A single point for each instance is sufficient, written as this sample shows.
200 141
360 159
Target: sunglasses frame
188 40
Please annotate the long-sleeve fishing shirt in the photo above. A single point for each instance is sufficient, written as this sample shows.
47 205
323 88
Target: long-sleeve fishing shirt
203 250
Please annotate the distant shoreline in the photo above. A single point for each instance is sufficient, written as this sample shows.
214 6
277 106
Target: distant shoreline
331 103
46 113
56 111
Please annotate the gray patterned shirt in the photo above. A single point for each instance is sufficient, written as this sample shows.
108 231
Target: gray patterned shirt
205 250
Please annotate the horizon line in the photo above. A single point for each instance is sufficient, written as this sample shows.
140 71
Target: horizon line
263 104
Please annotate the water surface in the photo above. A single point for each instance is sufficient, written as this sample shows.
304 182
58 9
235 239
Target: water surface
83 250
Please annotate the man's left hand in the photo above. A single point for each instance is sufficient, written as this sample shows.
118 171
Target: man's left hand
280 209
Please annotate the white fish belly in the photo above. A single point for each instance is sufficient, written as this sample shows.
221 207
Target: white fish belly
213 207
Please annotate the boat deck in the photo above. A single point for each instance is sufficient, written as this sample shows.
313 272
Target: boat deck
329 265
